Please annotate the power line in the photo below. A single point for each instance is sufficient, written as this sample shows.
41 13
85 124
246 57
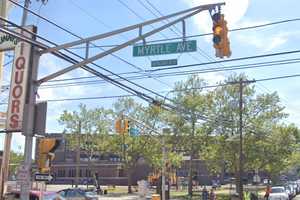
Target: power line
228 60
143 96
72 60
207 34
79 37
169 74
208 57
203 53
208 86
187 72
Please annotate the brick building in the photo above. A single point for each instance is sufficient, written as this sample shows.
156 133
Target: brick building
107 166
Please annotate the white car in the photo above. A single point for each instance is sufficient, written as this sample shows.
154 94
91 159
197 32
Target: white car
278 193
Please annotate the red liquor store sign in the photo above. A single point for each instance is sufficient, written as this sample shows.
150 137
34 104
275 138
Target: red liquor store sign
18 85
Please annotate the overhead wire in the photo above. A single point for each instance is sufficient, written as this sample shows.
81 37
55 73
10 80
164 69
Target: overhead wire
184 73
109 27
207 34
104 69
75 35
229 60
53 84
143 96
155 15
200 88
204 53
178 32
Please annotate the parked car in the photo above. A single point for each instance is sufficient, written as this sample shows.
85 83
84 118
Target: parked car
278 193
77 194
34 195
290 190
295 186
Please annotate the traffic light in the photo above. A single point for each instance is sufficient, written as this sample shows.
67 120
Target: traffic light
122 126
126 126
220 36
46 148
118 126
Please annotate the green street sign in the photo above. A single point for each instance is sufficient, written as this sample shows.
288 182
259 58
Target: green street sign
160 63
165 48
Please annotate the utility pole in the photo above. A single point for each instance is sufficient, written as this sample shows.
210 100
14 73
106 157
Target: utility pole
29 109
78 134
241 140
163 173
190 185
8 136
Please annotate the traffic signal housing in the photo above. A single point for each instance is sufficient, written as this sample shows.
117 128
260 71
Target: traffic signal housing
46 149
122 126
118 126
126 126
220 36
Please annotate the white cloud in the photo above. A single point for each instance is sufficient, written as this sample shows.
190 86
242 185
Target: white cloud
276 42
213 78
262 42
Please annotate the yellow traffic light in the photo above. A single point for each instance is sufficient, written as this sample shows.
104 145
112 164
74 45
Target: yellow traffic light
220 36
46 148
118 126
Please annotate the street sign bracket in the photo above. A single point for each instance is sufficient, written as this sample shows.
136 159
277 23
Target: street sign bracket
141 35
183 31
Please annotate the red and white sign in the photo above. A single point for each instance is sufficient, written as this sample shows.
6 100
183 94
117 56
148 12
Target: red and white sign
18 85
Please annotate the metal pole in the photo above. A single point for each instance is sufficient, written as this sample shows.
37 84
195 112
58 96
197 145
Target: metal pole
78 155
28 122
25 12
29 108
163 173
190 184
241 141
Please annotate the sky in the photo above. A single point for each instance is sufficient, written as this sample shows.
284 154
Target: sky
91 17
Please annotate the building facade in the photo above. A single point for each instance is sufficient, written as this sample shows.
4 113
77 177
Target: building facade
107 166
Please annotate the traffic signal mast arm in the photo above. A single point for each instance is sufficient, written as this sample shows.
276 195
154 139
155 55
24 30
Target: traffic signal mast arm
192 12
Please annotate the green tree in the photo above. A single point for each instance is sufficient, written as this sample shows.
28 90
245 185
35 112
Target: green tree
192 104
260 114
15 160
87 130
134 149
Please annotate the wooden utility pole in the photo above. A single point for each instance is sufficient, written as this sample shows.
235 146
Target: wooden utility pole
190 182
241 196
78 134
8 136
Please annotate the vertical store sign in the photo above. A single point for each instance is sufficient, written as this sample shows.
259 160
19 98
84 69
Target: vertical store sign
18 85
